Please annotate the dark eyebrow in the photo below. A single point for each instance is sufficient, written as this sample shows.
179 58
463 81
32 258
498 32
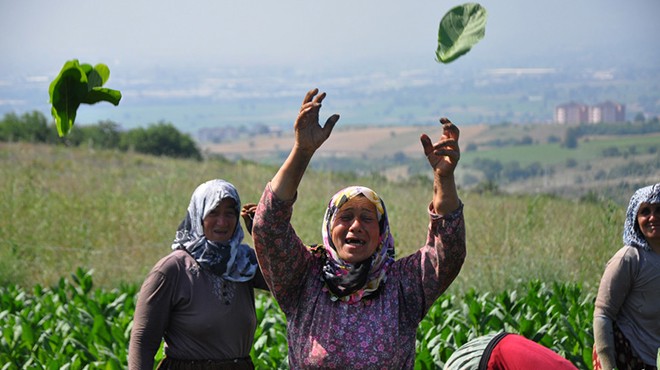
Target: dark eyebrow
360 209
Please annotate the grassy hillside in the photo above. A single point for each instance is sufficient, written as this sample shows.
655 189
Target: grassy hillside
116 213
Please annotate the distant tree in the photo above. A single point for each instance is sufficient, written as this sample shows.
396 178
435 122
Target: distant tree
399 157
611 151
590 197
492 169
553 139
103 135
487 187
32 127
512 171
160 139
639 117
535 169
471 147
600 175
571 138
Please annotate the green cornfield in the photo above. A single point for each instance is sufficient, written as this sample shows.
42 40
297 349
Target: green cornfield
81 228
76 326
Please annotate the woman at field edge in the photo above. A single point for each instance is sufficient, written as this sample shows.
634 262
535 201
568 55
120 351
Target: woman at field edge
627 310
347 302
200 297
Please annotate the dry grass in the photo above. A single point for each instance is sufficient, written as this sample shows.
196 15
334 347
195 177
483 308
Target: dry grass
116 213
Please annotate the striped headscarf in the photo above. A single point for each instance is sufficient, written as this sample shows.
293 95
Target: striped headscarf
351 282
632 235
231 260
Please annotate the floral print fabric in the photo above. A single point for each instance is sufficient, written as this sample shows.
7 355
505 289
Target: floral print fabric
337 273
378 332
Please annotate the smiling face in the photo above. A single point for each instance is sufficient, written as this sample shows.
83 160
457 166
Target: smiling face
220 223
648 218
355 231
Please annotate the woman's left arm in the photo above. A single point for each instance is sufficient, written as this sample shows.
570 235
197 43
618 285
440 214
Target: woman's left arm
443 157
443 255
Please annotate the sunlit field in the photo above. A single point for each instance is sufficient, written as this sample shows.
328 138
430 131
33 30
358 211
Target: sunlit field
90 224
116 213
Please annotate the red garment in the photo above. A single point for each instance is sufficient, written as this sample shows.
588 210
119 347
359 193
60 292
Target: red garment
515 352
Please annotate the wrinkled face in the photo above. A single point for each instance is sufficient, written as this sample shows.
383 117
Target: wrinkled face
220 223
355 231
648 218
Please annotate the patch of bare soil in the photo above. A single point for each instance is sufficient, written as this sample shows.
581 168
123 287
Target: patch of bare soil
350 142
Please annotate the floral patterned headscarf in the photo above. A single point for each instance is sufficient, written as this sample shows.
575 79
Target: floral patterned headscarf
632 235
351 282
231 260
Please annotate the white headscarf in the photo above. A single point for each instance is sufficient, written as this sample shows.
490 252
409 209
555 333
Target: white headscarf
231 260
632 235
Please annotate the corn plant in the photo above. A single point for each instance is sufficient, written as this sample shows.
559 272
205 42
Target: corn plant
558 316
75 326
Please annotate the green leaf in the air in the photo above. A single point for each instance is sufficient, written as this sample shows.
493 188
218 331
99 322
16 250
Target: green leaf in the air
78 84
98 94
66 94
460 29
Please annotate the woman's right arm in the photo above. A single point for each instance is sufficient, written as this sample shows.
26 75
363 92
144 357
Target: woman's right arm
282 256
612 292
149 321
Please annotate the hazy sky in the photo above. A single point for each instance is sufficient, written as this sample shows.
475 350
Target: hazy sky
39 35
150 45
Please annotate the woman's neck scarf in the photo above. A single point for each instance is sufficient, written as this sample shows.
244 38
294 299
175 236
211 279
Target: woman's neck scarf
351 282
230 260
632 235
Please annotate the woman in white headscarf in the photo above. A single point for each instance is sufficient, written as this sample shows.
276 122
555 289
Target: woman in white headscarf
627 313
199 299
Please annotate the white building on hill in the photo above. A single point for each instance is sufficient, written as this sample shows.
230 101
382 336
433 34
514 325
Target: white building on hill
576 113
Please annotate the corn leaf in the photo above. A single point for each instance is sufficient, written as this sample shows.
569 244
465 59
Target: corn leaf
78 84
460 29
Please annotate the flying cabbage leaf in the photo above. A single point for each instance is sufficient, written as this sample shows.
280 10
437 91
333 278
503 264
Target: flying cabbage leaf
460 29
78 84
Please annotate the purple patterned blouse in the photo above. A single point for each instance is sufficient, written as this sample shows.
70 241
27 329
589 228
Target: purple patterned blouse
375 333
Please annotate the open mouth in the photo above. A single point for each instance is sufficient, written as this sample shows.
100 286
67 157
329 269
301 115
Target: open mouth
355 241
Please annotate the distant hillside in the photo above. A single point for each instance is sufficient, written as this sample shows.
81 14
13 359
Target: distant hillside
528 159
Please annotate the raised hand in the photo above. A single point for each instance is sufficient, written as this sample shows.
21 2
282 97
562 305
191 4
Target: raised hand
247 213
310 135
443 155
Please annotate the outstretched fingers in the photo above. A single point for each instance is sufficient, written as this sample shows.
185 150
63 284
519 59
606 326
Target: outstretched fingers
330 124
310 95
449 129
426 144
446 150
312 100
